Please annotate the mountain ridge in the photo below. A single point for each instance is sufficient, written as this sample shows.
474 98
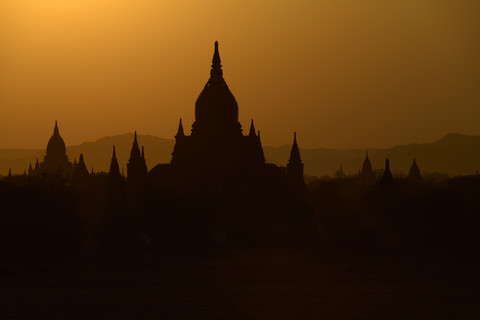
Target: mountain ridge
453 154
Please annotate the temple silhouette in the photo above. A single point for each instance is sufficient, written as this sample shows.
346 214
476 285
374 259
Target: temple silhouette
217 190
217 144
218 180
56 159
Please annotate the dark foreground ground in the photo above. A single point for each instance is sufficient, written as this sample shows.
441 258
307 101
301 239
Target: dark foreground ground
243 284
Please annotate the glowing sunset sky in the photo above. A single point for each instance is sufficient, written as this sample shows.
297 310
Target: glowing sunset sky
342 73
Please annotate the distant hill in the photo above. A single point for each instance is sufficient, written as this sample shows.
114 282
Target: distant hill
455 154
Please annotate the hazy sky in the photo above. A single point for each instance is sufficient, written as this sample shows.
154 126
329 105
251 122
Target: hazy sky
342 73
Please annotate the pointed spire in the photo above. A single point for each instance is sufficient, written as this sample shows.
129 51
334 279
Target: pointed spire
30 169
414 173
136 163
135 141
114 168
56 132
81 171
216 74
295 165
36 169
252 129
135 152
295 152
367 169
180 132
387 174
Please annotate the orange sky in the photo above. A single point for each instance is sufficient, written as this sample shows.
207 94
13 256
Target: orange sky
342 73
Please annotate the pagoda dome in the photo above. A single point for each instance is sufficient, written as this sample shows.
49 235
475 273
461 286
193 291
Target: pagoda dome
56 145
216 109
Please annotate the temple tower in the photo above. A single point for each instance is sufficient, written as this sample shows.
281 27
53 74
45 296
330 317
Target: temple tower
216 109
414 173
367 175
387 177
295 165
216 141
56 160
80 172
136 166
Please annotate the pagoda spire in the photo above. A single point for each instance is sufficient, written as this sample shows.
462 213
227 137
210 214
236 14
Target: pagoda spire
180 132
114 168
216 74
135 152
367 165
56 132
387 177
295 152
295 165
81 171
252 129
136 164
414 173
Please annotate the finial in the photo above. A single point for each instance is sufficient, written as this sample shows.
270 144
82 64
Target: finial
9 172
55 130
216 73
80 158
114 153
252 129
294 137
387 164
92 171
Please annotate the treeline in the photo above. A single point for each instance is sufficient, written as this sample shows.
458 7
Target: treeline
46 217
402 217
